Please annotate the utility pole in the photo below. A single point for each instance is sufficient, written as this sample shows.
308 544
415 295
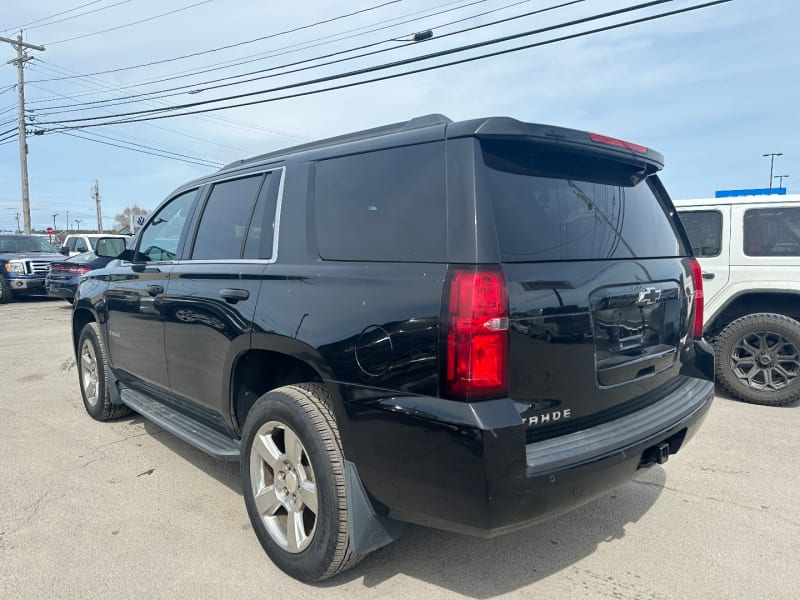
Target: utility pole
772 156
20 61
96 196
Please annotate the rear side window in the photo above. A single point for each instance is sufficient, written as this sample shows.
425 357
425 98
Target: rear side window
226 217
551 205
772 232
704 228
383 206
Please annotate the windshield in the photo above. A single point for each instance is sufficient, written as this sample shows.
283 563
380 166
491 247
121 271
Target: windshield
25 243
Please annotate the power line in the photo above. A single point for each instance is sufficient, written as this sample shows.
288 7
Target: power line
287 49
88 12
63 12
258 39
167 128
205 85
100 85
202 164
383 66
388 65
171 12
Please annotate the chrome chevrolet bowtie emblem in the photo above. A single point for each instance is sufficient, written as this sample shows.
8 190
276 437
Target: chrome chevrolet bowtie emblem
649 296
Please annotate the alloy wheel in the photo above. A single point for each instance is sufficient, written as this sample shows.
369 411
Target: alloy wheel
765 360
284 487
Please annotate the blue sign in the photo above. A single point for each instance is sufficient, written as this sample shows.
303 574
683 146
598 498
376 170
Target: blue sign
755 192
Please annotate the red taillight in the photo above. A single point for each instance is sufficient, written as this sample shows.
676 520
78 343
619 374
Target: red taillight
78 270
604 139
476 353
697 283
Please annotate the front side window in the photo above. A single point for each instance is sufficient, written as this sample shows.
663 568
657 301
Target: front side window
160 237
772 232
225 219
704 228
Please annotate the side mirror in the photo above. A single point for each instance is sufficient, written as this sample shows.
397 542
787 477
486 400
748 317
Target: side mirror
64 250
109 247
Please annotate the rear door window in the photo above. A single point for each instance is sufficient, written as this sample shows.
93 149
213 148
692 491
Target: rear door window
772 232
553 205
704 228
225 219
387 205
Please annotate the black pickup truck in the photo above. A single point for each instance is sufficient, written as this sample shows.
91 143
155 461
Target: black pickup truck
356 319
24 265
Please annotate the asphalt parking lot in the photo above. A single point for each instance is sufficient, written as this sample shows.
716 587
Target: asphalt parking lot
125 510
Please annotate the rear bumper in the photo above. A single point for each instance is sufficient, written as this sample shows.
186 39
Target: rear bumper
474 474
61 290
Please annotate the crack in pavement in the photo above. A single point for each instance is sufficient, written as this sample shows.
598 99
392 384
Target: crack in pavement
759 509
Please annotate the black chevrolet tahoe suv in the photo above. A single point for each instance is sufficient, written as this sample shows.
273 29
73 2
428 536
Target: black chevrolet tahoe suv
472 326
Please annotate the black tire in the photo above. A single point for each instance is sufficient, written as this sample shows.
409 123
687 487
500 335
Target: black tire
6 295
322 548
93 376
758 359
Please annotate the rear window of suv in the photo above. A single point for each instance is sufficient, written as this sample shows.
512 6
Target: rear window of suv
552 205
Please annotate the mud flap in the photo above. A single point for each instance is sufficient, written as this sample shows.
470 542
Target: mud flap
368 531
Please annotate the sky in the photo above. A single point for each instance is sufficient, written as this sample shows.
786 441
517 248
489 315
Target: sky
713 90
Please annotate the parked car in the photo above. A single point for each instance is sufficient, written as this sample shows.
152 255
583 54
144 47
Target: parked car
749 250
64 276
79 243
350 319
24 264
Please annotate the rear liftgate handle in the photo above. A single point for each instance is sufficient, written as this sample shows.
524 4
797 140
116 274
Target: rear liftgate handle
232 296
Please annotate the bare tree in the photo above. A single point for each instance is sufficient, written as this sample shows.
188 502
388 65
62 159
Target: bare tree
123 219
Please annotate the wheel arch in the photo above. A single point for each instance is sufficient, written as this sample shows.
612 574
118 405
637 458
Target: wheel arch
784 302
272 362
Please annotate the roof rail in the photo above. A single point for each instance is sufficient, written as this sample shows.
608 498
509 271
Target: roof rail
415 123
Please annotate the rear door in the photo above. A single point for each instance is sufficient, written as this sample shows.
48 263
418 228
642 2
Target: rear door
598 281
709 232
211 298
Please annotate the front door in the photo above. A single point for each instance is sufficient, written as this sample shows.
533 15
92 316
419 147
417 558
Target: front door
135 297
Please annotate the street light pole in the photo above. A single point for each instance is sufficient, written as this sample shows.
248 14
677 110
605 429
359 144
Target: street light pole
68 222
780 179
772 156
78 221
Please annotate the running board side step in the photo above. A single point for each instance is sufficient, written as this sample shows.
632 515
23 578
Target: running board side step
202 437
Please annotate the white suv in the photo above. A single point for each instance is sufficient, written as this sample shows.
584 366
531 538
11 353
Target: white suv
749 250
83 242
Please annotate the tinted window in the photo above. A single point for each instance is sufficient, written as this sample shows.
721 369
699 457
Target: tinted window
80 245
383 206
19 243
160 237
261 232
704 228
556 205
225 219
772 232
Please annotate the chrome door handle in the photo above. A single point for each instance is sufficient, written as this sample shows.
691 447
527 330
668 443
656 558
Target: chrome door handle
232 295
